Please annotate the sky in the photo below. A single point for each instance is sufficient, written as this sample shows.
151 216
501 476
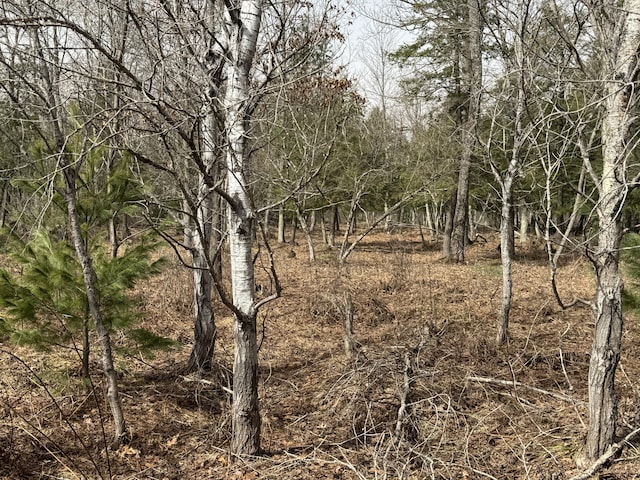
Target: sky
369 36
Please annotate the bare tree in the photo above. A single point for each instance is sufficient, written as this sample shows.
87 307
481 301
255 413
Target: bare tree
518 20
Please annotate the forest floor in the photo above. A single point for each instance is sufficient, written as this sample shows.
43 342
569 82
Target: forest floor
425 330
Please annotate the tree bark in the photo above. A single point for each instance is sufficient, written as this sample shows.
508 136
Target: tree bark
620 113
245 410
205 263
281 222
506 258
430 223
307 233
448 227
4 205
473 84
204 333
91 290
523 230
507 178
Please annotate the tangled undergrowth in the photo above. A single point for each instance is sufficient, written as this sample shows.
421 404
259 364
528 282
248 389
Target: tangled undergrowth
424 392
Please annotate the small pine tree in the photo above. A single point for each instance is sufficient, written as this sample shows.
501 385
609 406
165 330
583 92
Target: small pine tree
44 301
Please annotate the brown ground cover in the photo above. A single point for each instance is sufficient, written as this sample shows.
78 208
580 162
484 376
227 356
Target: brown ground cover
425 331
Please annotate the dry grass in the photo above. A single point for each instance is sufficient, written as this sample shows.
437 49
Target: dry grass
326 416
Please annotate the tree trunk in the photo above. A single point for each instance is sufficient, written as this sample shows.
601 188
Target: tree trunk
204 332
57 121
430 224
524 224
387 221
506 180
204 267
281 238
312 221
307 233
113 236
245 410
265 221
511 230
4 205
473 83
294 230
90 282
620 113
448 227
506 237
473 225
332 229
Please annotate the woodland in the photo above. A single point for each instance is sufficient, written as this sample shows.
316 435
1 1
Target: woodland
221 257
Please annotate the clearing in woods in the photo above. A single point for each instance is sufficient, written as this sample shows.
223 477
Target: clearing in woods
427 394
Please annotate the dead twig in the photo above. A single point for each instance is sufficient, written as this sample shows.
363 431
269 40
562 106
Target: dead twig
513 383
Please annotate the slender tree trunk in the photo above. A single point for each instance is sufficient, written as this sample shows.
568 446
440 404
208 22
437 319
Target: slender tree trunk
86 347
206 264
448 228
525 216
387 221
217 236
265 221
245 410
90 282
4 205
187 224
511 230
473 84
506 259
506 180
204 336
113 236
473 226
312 221
57 122
307 233
418 220
429 219
281 222
294 230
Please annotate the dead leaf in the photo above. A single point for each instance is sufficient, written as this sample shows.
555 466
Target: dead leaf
127 450
173 441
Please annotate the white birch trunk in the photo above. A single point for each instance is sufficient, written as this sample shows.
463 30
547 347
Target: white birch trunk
204 336
245 410
205 331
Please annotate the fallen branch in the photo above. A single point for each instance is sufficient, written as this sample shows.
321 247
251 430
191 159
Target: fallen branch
513 383
611 452
204 381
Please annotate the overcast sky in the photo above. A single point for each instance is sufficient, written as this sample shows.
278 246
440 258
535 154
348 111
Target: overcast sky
369 37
